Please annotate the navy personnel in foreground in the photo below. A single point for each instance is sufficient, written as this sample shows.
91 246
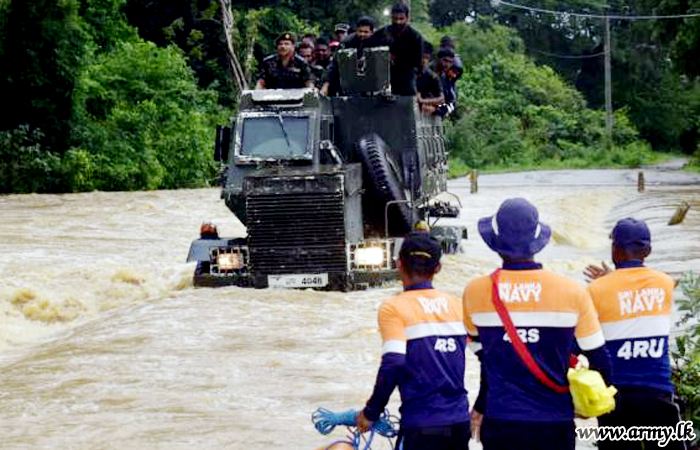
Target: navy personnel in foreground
634 304
423 354
550 313
286 69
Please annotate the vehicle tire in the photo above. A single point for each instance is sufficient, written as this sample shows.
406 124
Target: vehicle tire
383 184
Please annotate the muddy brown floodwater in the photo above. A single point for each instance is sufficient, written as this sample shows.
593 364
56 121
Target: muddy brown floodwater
105 343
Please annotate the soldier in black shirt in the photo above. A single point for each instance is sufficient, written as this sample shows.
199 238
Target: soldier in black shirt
322 53
428 84
286 69
406 48
306 51
360 39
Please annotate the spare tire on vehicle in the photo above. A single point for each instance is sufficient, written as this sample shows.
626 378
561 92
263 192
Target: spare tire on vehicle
383 183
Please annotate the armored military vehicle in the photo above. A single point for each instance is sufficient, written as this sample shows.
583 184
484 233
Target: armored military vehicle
326 185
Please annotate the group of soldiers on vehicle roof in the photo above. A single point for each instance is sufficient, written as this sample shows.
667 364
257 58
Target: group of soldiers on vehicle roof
411 73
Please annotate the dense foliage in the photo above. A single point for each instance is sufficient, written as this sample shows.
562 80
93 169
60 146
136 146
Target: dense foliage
42 50
686 357
93 106
515 113
141 122
125 94
654 62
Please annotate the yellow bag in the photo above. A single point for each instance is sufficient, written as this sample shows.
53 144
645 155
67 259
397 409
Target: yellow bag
591 397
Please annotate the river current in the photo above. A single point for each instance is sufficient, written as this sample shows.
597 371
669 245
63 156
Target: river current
105 343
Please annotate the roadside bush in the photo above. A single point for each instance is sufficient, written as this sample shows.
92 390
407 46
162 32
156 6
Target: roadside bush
516 114
24 165
686 359
142 123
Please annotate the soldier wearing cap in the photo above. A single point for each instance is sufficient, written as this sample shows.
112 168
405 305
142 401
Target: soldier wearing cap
634 304
286 69
341 31
424 341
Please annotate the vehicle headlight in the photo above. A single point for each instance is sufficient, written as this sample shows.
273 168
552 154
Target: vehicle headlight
369 256
229 261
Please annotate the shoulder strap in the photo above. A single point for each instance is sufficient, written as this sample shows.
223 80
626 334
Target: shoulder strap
518 344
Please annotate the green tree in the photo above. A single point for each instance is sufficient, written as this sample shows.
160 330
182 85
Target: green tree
446 12
516 113
686 356
660 100
106 23
142 122
645 81
479 39
683 35
42 52
196 28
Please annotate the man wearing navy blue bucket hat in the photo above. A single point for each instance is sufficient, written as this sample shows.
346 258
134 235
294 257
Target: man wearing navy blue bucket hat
526 405
634 304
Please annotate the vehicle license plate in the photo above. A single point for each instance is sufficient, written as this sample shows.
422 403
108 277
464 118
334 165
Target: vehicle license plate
298 280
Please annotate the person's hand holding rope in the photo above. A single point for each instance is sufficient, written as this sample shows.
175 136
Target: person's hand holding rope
363 423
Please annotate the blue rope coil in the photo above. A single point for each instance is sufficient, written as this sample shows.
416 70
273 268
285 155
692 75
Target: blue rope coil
325 421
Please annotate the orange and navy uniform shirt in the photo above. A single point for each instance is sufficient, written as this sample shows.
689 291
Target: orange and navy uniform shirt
423 353
634 304
549 312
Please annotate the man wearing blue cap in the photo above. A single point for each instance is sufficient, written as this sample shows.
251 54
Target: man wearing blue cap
424 341
521 405
634 304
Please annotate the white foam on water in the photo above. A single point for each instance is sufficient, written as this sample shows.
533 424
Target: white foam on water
105 343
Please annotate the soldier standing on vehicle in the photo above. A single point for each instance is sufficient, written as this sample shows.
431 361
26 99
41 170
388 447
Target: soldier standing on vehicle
423 349
322 53
341 31
306 51
430 94
634 304
406 48
286 69
360 39
550 313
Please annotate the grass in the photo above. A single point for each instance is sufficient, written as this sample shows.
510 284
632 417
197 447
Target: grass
618 159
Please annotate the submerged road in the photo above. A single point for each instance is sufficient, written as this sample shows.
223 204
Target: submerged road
105 344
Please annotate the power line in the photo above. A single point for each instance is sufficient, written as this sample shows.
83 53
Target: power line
554 55
594 16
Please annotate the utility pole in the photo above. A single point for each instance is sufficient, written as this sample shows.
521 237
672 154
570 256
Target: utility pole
608 86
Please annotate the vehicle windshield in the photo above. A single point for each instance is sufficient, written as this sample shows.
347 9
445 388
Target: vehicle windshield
275 136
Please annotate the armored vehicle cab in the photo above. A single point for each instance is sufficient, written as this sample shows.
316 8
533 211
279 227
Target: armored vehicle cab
325 185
